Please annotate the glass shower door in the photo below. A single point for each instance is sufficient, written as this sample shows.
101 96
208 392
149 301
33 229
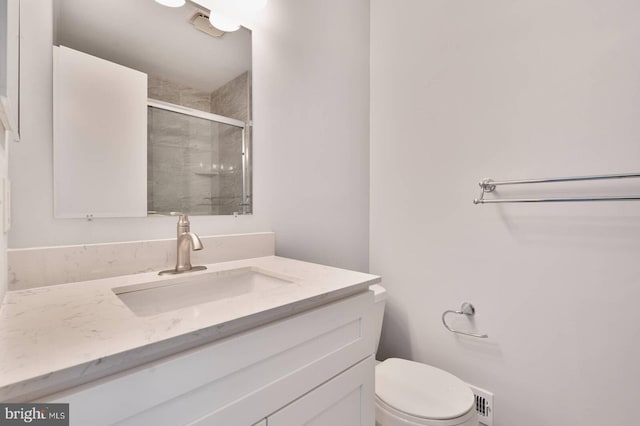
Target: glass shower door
195 165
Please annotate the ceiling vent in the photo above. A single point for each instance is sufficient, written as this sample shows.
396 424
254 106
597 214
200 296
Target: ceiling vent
201 22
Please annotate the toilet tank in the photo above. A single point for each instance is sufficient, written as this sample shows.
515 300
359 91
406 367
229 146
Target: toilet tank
379 300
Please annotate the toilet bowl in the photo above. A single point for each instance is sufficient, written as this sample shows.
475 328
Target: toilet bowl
410 393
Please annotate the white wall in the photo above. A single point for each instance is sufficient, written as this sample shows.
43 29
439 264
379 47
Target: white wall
310 140
6 136
463 90
313 83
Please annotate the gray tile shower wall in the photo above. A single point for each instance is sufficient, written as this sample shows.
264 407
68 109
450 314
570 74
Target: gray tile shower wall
177 145
175 93
195 165
232 100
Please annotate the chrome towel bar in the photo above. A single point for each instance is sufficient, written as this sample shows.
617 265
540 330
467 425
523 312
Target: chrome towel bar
489 185
465 309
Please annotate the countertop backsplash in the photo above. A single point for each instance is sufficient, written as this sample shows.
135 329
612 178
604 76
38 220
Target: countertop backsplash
43 266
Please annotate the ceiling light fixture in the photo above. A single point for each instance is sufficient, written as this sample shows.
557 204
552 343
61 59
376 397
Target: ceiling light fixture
223 23
171 3
226 15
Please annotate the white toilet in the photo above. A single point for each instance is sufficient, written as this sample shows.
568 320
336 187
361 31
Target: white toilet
413 394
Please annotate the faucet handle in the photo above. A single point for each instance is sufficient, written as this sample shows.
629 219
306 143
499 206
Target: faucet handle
183 222
183 219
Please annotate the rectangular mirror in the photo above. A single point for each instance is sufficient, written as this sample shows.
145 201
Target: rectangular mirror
197 128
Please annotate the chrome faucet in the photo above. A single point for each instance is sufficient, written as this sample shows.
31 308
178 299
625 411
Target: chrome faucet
187 241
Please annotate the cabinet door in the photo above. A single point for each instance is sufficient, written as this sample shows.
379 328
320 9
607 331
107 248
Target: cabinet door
345 400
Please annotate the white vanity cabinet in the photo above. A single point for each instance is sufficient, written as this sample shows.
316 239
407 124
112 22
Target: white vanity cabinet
345 400
314 367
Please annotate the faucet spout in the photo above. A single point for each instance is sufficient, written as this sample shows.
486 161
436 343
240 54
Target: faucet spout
192 238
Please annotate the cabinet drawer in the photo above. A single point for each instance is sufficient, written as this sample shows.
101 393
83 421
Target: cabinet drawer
237 380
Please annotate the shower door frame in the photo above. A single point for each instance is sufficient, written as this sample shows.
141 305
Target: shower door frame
167 106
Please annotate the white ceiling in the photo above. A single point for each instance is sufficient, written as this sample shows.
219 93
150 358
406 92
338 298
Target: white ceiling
154 39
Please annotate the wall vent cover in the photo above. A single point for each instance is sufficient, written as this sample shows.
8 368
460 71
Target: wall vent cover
484 405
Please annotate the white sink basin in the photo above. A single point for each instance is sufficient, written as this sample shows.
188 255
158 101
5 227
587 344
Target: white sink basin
168 295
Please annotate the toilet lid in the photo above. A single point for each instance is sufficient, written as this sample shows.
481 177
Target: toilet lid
421 390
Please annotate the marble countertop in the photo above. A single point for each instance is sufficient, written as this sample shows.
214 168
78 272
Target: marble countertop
56 337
